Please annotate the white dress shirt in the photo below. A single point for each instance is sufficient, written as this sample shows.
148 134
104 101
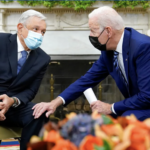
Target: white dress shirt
20 48
120 56
120 62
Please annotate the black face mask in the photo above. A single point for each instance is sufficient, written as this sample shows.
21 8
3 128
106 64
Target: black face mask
97 44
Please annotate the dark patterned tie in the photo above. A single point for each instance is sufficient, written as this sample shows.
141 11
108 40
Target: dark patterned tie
22 60
116 65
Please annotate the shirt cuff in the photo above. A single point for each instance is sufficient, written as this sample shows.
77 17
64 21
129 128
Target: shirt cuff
62 100
19 102
113 110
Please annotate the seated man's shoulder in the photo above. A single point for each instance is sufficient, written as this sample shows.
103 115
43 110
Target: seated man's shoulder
43 55
5 35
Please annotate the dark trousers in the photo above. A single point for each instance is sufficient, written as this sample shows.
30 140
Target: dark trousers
22 117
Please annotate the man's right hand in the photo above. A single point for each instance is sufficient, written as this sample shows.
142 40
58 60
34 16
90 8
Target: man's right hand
50 107
5 103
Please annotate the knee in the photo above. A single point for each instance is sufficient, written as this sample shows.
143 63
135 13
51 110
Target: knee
43 117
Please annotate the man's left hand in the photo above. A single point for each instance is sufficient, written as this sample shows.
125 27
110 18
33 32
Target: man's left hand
101 107
6 103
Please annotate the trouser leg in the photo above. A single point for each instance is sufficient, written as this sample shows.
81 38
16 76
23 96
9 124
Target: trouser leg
22 117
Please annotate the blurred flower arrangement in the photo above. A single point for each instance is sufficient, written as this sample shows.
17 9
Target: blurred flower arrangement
95 132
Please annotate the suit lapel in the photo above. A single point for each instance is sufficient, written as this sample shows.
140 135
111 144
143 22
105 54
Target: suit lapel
126 48
12 53
27 65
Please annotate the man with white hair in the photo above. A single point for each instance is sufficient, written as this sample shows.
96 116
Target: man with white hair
125 55
22 66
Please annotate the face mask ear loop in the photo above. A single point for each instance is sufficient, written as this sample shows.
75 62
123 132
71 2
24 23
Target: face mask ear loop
22 36
25 28
101 33
107 40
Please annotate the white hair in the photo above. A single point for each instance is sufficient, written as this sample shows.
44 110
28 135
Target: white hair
30 13
107 16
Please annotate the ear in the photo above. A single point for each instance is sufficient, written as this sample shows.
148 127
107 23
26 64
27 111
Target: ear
20 28
109 31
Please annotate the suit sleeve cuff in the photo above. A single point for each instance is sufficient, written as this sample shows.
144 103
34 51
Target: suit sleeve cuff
62 100
113 110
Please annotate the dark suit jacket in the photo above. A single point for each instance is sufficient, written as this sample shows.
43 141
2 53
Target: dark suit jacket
136 58
24 85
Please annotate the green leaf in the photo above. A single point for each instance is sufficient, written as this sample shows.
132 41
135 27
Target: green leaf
99 148
105 146
107 120
81 4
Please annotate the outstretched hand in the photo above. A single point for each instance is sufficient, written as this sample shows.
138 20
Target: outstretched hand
42 107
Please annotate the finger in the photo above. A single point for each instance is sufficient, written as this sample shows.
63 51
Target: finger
3 111
37 109
39 113
35 106
34 110
2 116
2 96
93 103
49 113
1 107
2 104
93 106
93 110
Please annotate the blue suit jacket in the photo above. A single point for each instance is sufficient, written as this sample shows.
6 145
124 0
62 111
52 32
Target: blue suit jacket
24 85
136 58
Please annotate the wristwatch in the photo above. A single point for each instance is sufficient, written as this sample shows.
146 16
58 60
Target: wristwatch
15 104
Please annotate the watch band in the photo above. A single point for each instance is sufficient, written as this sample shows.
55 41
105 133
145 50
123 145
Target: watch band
15 102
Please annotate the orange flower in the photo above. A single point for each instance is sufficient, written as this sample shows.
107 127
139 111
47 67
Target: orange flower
89 142
62 122
140 138
64 145
113 130
53 136
139 124
50 126
123 121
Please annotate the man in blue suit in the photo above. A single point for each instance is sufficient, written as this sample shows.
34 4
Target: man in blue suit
22 66
125 55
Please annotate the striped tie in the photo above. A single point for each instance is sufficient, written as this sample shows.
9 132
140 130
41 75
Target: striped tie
116 65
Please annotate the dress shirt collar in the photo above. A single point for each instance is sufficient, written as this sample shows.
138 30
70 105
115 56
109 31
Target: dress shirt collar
20 47
119 46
